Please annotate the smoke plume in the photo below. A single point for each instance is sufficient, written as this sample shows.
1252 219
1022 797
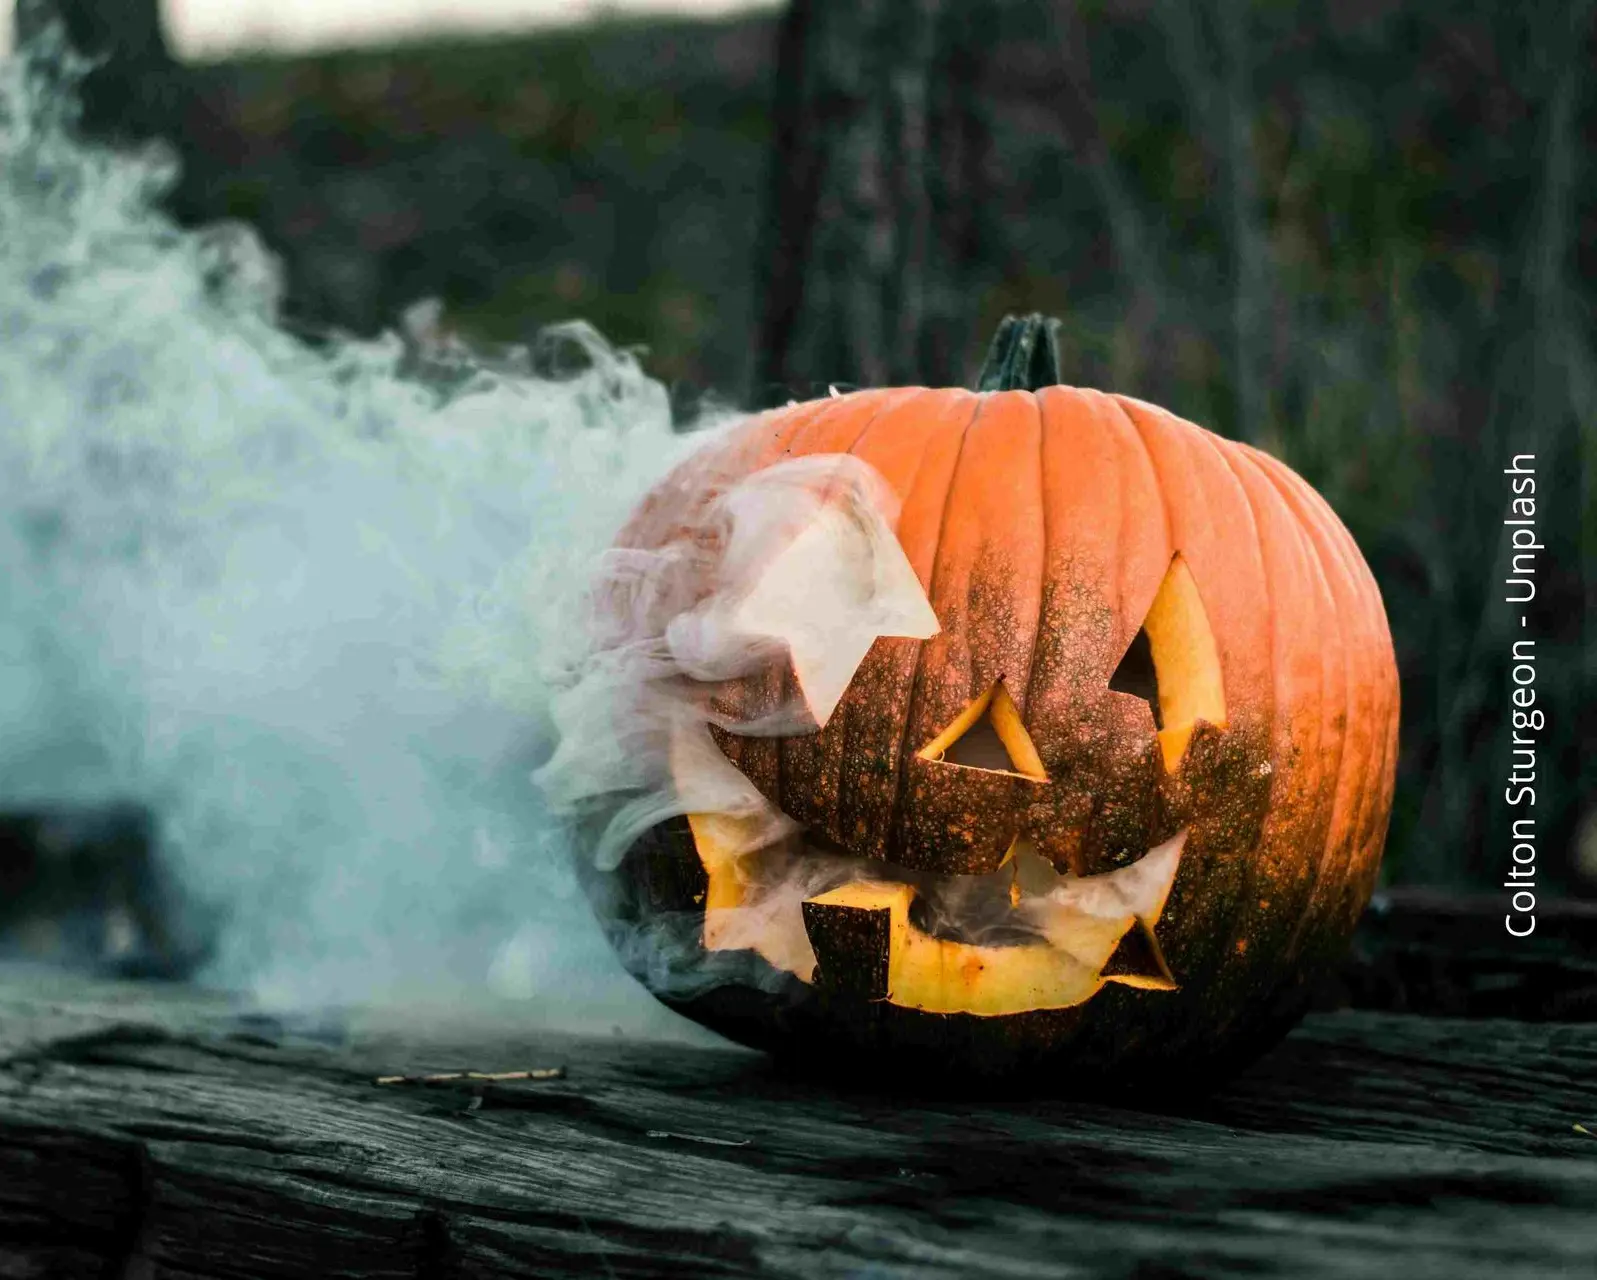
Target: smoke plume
304 607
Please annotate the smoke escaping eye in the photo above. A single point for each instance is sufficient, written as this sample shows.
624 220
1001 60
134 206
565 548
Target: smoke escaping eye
988 734
837 580
1173 664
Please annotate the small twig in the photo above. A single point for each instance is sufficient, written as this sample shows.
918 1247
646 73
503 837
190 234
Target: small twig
697 1137
477 1077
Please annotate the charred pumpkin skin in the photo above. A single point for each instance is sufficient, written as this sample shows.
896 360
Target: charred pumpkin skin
1041 525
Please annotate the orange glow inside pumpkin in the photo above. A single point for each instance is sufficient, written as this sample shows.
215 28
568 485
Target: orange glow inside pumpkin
1184 685
1079 924
1072 934
1004 747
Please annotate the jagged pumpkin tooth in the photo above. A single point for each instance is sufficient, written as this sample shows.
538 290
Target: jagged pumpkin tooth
852 937
1139 961
931 974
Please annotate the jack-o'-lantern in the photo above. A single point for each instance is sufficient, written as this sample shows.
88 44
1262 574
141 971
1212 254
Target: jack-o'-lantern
1102 794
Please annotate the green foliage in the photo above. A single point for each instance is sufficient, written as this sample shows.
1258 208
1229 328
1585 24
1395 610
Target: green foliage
610 172
1360 237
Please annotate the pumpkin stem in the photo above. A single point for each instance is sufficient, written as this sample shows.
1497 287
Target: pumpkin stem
1024 355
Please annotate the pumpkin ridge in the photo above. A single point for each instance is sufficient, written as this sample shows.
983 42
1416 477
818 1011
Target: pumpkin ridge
1389 772
920 462
1375 835
1320 816
851 735
1042 507
1158 483
1320 909
1368 761
763 442
992 559
1170 548
1140 486
748 750
1370 605
1126 512
1218 447
881 401
1385 665
1242 919
1088 465
839 754
894 838
928 496
1183 467
1117 560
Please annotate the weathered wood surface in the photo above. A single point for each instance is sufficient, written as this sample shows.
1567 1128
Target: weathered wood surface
151 1131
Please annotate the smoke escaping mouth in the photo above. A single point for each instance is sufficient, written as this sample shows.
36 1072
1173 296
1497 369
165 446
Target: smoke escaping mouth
1025 903
305 609
744 599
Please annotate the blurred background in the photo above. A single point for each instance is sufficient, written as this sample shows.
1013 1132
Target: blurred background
1362 236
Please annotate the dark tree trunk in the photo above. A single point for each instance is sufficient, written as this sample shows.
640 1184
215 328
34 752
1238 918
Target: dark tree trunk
133 92
877 176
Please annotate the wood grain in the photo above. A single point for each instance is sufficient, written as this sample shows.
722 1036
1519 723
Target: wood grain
151 1131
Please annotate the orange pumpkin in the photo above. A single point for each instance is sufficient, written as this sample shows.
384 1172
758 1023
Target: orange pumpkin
1111 814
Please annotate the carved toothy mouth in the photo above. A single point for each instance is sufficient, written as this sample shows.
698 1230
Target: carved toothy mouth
1019 939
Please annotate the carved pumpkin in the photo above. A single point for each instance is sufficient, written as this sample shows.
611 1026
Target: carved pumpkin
1106 805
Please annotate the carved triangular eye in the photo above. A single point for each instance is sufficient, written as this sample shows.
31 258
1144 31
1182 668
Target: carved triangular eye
981 748
1137 676
988 734
1174 665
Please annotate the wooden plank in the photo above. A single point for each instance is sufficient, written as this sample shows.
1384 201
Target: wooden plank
152 1131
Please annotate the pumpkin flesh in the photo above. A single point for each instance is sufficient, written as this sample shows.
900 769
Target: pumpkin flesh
1050 533
1077 927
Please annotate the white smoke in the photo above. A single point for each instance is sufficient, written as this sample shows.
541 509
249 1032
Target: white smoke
324 618
796 564
304 608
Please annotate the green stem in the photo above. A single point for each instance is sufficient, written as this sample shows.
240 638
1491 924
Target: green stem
1024 355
